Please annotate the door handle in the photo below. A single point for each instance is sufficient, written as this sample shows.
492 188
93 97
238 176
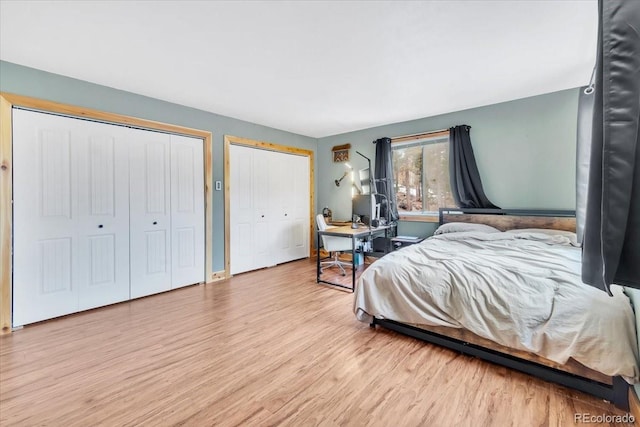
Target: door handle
100 226
155 222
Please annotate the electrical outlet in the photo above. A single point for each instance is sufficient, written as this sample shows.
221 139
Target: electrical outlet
218 185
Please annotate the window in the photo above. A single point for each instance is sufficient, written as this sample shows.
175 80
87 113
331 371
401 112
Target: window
421 175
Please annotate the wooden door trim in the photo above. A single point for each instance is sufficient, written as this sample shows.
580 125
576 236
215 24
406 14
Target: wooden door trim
246 142
7 102
6 214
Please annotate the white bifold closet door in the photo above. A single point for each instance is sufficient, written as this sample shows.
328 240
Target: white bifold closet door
166 213
269 202
187 212
102 214
150 212
71 216
295 221
242 212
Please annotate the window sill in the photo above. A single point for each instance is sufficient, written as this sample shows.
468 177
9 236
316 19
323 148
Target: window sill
419 218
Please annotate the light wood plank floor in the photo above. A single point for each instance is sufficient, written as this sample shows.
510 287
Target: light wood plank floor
265 348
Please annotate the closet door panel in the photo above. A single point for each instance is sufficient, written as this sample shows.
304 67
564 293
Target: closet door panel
282 193
103 220
45 237
241 213
187 211
262 247
300 208
150 212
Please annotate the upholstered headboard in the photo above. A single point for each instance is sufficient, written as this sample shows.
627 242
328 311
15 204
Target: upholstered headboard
509 219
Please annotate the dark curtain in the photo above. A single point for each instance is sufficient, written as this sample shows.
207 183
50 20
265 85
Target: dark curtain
611 246
466 186
386 192
583 154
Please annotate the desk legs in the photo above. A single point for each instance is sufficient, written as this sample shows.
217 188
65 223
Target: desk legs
353 266
354 236
318 258
353 263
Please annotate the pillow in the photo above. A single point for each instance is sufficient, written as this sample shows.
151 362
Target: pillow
549 232
458 227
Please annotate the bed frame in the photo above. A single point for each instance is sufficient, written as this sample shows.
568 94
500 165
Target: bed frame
572 374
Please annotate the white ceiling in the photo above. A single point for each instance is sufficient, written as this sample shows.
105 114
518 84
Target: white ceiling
314 68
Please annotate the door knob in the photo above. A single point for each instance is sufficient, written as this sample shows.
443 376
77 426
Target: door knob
155 222
285 214
100 226
262 216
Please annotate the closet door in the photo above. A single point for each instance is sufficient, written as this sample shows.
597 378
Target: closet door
269 207
150 212
103 215
290 195
262 249
282 194
187 211
71 214
299 226
45 206
242 217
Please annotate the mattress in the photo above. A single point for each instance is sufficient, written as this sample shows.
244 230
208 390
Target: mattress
520 290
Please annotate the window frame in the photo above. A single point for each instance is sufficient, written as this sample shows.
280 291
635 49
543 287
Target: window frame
420 140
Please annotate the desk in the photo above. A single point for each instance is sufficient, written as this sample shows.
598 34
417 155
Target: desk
355 234
336 223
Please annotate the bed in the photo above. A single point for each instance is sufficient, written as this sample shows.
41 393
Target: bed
504 285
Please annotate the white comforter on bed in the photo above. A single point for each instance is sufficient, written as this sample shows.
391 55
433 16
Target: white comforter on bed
521 290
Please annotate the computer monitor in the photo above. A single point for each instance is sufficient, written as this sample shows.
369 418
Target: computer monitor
364 205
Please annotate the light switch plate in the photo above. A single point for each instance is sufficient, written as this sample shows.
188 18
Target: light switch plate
218 185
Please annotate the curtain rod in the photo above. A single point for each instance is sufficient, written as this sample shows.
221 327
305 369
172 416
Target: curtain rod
441 132
434 133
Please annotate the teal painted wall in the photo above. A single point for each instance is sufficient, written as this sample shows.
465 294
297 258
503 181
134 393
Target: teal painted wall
39 84
525 150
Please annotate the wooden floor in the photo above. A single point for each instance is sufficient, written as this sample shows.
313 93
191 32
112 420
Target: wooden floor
265 348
